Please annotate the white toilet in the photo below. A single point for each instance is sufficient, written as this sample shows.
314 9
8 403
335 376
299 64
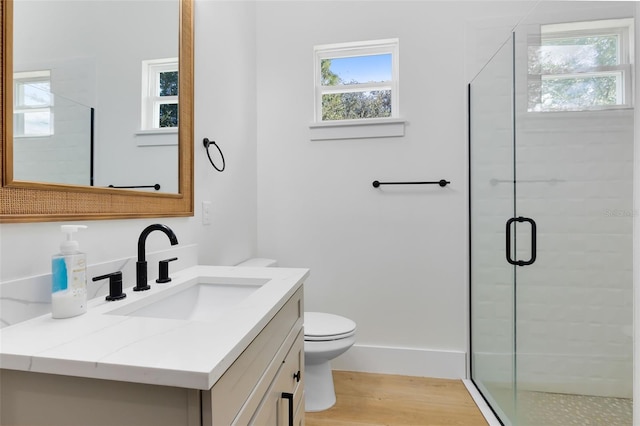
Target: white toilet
326 336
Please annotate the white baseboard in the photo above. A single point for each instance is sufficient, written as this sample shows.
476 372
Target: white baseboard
403 361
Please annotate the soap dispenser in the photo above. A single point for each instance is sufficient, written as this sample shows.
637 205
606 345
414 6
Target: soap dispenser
69 277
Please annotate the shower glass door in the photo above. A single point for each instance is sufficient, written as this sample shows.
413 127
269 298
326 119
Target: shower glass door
491 179
551 214
574 172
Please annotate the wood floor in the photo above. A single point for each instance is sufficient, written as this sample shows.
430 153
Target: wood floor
380 399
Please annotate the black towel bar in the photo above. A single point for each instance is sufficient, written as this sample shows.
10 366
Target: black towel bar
156 186
440 182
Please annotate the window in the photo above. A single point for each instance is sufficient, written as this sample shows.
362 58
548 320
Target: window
160 94
32 103
581 66
356 81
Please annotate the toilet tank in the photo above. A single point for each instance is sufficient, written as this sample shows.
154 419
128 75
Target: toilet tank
258 262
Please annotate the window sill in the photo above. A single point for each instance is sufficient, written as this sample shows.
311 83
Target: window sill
144 140
32 136
357 129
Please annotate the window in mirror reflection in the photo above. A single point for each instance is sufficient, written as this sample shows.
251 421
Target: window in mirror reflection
32 102
160 94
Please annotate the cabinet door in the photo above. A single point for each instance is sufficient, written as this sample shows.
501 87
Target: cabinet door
298 419
280 404
237 395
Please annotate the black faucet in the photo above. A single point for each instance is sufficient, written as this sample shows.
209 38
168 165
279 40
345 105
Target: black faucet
141 264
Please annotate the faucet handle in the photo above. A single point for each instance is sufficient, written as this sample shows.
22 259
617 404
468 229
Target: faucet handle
115 285
163 270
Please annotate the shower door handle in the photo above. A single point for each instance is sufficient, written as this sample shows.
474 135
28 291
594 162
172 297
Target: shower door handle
533 241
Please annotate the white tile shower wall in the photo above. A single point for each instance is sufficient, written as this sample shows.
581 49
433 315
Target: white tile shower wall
636 234
575 173
574 304
29 297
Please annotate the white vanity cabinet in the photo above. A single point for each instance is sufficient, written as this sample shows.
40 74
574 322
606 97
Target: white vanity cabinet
264 386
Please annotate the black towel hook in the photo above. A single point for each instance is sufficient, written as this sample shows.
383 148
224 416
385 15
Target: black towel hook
206 142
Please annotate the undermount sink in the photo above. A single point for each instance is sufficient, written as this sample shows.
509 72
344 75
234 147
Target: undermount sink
198 300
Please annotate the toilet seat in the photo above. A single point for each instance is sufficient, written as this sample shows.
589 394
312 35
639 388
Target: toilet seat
320 326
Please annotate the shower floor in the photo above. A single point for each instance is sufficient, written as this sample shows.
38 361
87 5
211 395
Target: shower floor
555 409
559 409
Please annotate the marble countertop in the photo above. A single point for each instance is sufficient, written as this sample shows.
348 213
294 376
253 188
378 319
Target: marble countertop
171 352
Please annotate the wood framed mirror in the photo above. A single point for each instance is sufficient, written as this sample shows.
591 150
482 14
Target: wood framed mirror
33 201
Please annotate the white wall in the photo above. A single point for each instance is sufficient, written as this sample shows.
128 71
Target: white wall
394 259
225 111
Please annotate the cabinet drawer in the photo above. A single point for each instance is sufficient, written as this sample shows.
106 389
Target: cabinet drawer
251 370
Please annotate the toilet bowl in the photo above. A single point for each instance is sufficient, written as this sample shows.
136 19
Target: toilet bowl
326 336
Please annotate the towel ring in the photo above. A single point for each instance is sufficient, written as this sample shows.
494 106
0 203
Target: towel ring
207 143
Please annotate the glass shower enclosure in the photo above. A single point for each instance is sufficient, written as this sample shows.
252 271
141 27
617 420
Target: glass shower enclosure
551 139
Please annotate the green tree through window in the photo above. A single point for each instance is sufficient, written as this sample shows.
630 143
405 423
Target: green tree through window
579 68
159 102
169 87
351 105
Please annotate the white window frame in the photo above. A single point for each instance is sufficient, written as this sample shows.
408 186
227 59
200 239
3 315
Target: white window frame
624 29
354 49
24 79
151 100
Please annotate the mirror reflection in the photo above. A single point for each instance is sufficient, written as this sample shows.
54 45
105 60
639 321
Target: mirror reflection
96 93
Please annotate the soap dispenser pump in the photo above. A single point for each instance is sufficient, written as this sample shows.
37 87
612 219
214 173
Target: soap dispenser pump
69 277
